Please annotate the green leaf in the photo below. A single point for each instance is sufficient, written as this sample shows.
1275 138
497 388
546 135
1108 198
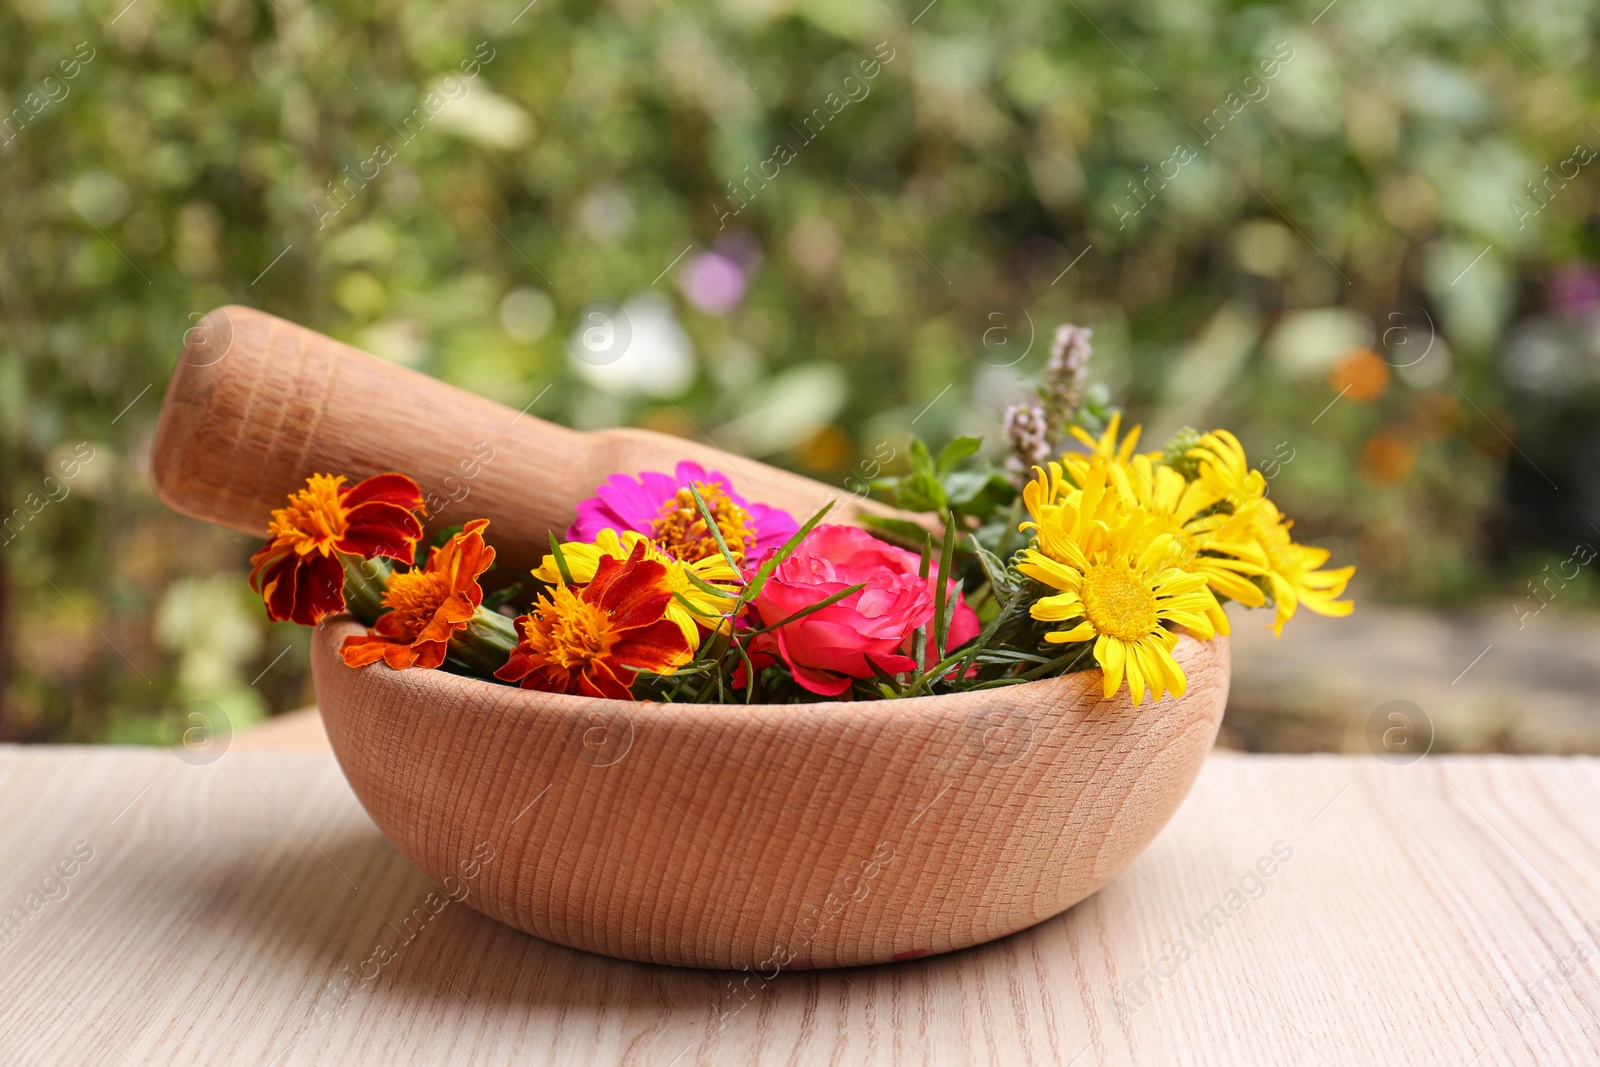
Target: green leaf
956 452
994 568
960 487
920 492
901 532
979 493
921 460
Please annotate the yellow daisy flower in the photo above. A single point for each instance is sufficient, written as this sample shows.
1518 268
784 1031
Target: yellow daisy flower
1106 445
1103 449
1225 471
1048 489
1212 545
1292 569
691 608
1117 584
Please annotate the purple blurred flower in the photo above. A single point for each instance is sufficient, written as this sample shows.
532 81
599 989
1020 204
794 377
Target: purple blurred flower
1574 289
713 283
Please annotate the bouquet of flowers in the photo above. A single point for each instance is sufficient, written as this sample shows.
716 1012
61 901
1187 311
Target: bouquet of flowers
1079 552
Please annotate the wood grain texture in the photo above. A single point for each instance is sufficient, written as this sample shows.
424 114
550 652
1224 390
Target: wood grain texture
293 731
256 404
788 836
229 912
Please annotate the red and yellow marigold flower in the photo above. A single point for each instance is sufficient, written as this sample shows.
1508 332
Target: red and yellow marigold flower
704 590
427 606
593 640
300 574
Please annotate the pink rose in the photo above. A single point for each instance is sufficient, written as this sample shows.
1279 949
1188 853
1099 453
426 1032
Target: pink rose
828 648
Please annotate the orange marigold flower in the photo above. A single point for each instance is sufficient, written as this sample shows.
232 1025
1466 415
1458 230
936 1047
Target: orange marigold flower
591 640
299 573
428 605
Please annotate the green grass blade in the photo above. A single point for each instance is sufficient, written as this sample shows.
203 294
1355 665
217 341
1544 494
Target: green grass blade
561 560
713 528
943 603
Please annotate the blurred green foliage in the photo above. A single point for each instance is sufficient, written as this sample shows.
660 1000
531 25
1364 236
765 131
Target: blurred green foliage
1239 198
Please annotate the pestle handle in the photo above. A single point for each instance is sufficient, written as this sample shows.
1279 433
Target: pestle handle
257 404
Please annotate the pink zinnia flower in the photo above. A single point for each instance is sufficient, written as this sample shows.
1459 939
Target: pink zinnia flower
827 649
660 507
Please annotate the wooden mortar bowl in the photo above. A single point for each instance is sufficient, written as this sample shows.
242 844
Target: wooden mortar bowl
769 836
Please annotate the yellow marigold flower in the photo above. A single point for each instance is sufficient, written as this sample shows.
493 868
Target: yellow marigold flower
1212 545
1113 567
692 606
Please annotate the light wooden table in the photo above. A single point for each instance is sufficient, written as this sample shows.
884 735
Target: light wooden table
232 913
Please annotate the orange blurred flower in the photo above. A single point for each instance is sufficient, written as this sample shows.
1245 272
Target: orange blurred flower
299 574
428 605
592 641
1361 376
1387 458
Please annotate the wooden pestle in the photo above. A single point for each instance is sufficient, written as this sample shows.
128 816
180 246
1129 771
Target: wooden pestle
256 404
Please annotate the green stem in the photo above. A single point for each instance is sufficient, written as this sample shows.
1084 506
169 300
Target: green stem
365 582
485 645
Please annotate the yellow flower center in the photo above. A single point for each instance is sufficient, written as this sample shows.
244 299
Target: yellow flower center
1117 602
415 597
568 632
681 530
314 519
